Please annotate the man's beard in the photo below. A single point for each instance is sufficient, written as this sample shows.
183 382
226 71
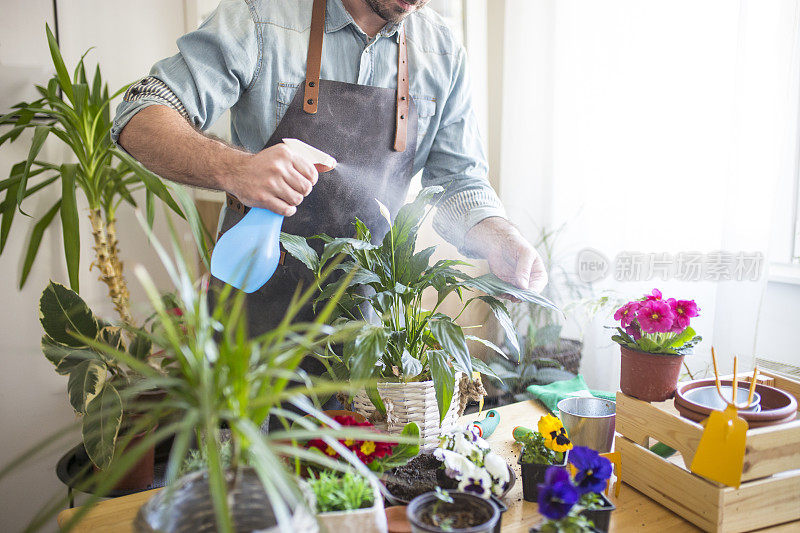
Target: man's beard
388 13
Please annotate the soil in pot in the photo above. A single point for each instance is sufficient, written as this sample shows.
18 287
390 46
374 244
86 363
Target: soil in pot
416 477
428 513
649 377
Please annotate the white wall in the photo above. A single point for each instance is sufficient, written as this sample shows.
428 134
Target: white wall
129 39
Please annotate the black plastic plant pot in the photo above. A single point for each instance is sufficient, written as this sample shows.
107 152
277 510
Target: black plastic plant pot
467 514
538 530
503 508
532 476
601 518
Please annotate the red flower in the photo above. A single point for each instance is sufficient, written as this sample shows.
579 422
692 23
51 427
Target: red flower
634 331
655 316
367 451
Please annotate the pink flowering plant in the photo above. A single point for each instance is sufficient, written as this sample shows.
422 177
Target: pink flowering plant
653 324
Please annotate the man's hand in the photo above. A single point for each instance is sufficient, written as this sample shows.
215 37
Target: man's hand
511 257
274 178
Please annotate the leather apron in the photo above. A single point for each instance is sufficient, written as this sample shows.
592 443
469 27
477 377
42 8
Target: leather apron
372 133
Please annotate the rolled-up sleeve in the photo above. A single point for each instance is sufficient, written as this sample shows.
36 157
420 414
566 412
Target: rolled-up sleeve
214 65
457 162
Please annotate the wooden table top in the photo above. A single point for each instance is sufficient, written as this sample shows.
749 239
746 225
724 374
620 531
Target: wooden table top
635 511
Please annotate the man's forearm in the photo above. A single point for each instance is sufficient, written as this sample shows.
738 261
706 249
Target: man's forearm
164 142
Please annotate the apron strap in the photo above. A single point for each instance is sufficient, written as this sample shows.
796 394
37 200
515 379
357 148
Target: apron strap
314 65
314 58
401 122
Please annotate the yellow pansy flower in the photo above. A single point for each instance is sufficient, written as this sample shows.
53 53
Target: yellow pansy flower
555 436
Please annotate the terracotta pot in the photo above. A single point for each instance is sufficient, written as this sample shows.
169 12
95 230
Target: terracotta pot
649 377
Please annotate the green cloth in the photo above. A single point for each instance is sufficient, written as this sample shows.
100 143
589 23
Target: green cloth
553 393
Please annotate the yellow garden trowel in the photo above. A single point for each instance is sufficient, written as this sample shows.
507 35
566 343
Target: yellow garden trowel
720 453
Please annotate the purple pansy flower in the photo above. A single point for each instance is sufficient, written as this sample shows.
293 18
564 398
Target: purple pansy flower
557 495
593 470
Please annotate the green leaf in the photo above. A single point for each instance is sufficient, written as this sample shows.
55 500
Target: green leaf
682 338
412 367
35 240
63 313
483 368
451 337
545 376
69 224
140 346
112 336
201 237
85 382
504 319
375 397
494 286
152 182
368 348
406 223
101 426
299 248
150 207
61 70
9 205
40 134
403 452
489 344
65 358
444 380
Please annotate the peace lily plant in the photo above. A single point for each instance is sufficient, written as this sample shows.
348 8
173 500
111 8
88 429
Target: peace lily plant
408 343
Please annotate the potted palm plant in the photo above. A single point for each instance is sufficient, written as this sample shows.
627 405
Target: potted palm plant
654 335
75 110
419 356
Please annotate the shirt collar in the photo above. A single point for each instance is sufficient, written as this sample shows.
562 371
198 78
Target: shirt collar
337 17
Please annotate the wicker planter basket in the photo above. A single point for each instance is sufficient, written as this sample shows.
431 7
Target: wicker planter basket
416 402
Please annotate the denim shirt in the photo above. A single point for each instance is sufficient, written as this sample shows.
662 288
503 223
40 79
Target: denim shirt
250 57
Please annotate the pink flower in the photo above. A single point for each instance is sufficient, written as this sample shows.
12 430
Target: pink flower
683 311
627 313
654 296
655 316
634 331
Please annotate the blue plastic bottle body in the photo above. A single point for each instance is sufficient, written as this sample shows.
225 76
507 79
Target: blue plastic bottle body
247 255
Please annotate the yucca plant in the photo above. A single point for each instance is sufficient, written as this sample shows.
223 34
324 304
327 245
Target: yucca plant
76 111
410 343
219 377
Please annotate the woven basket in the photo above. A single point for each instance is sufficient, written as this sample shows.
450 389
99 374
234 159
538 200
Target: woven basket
411 402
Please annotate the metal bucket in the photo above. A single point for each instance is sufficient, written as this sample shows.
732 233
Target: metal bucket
589 421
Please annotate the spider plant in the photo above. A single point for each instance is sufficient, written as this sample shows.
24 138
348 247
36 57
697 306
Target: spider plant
410 343
76 111
220 377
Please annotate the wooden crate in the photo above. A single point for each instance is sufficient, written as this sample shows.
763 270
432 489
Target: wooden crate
770 489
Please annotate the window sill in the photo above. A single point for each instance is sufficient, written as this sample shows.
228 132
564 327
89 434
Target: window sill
784 273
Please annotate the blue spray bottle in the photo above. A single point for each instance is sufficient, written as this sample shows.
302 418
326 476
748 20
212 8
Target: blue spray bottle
246 256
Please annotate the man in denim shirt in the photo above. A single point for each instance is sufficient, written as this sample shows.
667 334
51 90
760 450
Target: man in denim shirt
250 57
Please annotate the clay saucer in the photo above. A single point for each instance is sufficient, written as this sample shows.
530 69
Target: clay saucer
777 406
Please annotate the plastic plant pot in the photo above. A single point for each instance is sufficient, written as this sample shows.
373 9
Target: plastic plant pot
470 514
601 518
532 475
